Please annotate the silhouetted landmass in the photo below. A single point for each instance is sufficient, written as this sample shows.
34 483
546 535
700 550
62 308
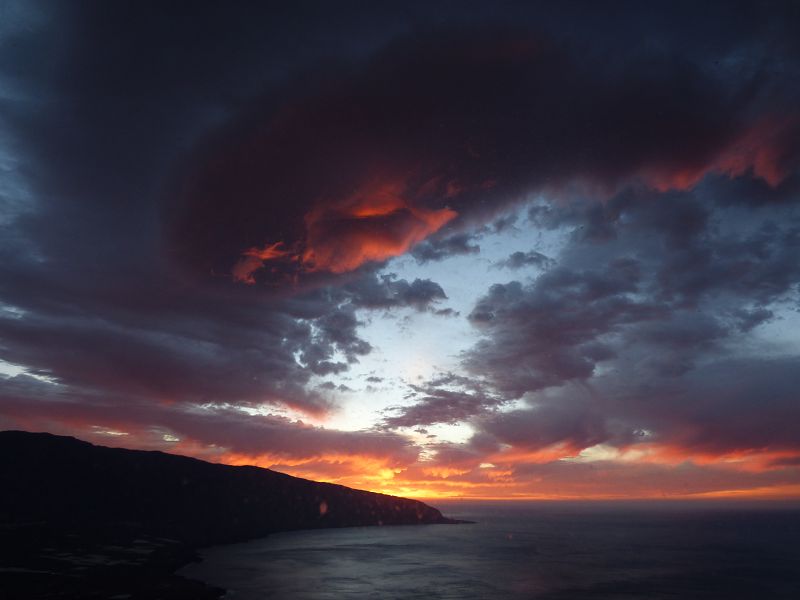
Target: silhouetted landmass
85 521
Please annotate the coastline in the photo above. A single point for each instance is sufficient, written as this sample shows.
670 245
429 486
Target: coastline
40 562
85 521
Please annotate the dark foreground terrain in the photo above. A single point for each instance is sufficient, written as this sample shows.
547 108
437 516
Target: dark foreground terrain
85 521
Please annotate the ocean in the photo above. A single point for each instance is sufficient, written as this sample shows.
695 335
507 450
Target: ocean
541 550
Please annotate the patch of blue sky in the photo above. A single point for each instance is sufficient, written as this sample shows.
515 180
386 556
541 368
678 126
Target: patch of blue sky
412 347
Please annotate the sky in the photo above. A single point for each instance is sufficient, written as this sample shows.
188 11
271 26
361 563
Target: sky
437 249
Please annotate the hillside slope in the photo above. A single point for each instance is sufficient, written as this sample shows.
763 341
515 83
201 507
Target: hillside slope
85 521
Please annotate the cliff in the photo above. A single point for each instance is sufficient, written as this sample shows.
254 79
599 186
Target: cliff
65 500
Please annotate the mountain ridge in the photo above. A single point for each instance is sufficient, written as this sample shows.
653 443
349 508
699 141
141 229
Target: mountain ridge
104 521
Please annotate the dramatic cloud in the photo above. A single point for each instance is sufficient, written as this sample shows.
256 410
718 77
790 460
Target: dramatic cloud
552 331
651 351
446 399
199 221
440 248
389 292
518 260
358 165
215 432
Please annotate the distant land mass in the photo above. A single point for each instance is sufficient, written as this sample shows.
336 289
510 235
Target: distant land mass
85 521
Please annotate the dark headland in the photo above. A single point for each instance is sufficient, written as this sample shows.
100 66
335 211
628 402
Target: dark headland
85 521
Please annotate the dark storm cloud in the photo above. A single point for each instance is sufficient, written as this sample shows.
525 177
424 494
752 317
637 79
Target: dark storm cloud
447 398
441 248
727 405
365 162
444 406
643 331
748 319
441 406
575 422
171 342
504 223
644 334
33 404
518 260
184 343
386 291
102 102
551 331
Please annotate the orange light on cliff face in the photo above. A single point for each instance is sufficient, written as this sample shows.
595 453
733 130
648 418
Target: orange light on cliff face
373 224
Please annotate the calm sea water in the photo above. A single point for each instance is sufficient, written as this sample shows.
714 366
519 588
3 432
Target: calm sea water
545 551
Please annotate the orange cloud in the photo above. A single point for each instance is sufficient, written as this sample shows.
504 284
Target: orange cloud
386 215
557 472
643 471
647 472
253 259
375 223
764 150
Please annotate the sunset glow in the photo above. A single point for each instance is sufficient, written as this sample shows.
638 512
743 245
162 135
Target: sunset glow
507 254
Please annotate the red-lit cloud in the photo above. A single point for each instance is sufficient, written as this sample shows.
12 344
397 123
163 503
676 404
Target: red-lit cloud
767 149
389 463
376 223
254 258
452 128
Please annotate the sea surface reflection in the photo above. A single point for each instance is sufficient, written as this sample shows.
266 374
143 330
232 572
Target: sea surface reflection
534 550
